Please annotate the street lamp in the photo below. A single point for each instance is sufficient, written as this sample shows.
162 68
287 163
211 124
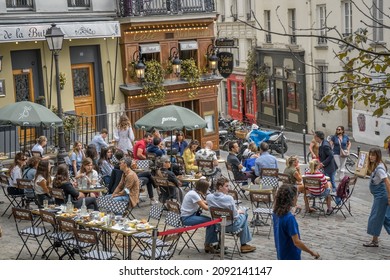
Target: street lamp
55 37
176 63
212 59
139 66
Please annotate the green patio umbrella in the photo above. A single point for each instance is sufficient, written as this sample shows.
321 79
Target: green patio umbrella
28 114
171 117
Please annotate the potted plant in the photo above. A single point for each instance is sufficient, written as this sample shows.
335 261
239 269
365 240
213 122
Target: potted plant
71 124
190 73
152 85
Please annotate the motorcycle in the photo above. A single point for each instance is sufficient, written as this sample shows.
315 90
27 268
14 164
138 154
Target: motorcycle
272 137
228 134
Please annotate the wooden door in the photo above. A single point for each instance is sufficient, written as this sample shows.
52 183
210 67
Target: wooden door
84 91
24 91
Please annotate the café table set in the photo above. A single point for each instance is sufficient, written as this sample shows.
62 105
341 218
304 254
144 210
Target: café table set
110 226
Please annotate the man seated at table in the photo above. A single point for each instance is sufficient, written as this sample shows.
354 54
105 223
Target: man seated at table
207 153
221 199
236 165
156 147
128 187
265 160
140 147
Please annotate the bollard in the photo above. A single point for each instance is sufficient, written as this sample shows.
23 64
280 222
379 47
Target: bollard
222 241
358 150
304 145
154 241
282 140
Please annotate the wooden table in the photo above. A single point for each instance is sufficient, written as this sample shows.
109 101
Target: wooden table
189 179
90 190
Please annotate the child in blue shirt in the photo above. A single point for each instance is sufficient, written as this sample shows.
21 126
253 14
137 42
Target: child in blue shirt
286 232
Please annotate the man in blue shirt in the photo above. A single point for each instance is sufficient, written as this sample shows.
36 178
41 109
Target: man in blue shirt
99 140
265 160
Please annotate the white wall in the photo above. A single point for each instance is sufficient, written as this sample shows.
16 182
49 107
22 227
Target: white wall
375 131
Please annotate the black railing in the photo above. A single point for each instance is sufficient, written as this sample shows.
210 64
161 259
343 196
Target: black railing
293 39
82 128
268 38
322 40
20 4
160 7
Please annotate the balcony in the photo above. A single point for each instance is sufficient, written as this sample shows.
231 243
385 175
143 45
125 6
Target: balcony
79 4
20 5
128 8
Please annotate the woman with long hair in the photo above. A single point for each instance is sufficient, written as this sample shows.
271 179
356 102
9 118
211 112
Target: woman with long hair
380 189
105 165
340 142
124 135
42 182
287 238
189 156
180 143
77 156
61 181
293 171
92 153
87 173
16 173
191 212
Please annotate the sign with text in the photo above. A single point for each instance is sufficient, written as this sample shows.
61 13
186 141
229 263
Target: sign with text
362 164
225 64
227 43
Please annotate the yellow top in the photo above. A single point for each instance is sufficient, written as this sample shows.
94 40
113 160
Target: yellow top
189 160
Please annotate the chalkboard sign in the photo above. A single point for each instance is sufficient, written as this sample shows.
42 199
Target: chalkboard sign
224 42
225 64
362 164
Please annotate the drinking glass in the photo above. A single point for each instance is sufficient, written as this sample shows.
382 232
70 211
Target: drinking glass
45 203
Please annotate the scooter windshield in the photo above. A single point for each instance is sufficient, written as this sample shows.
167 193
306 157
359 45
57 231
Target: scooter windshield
259 136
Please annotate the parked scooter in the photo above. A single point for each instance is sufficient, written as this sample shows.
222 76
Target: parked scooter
272 137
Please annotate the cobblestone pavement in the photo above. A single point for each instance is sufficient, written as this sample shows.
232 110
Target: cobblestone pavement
334 237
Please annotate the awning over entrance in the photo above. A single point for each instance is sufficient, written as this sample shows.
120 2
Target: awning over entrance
72 30
150 48
188 45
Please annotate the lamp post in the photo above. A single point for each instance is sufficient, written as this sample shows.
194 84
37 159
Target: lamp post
55 37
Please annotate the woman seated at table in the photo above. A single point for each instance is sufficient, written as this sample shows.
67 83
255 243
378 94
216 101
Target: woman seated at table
314 172
16 173
105 165
191 213
61 181
38 147
293 171
76 157
87 174
42 183
189 156
180 144
164 171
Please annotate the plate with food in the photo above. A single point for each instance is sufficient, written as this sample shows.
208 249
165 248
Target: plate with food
68 215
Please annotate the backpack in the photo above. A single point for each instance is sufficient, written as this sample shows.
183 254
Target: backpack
342 190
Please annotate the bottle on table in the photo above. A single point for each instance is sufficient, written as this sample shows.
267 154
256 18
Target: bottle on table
83 209
69 205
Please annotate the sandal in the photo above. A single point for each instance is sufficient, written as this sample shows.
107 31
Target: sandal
311 210
371 244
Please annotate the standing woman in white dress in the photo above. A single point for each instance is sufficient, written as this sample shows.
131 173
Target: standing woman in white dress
124 135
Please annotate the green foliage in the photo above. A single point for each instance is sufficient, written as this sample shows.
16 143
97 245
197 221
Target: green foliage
191 73
254 74
70 124
153 83
358 82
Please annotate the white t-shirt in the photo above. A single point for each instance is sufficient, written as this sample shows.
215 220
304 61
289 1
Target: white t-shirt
38 189
379 174
190 203
37 148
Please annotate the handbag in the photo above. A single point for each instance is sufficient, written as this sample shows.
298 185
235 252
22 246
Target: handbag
111 205
343 153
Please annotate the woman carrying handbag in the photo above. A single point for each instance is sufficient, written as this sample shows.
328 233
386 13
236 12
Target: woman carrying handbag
341 146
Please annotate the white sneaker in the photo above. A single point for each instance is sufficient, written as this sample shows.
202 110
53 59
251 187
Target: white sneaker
153 201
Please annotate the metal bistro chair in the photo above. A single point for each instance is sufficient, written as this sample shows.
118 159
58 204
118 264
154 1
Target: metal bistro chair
217 213
96 252
270 178
261 203
15 200
31 232
29 194
237 184
312 186
345 201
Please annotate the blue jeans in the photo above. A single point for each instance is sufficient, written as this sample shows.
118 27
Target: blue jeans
332 177
380 211
241 222
211 236
121 198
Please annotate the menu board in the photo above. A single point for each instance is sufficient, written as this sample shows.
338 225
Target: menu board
362 164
